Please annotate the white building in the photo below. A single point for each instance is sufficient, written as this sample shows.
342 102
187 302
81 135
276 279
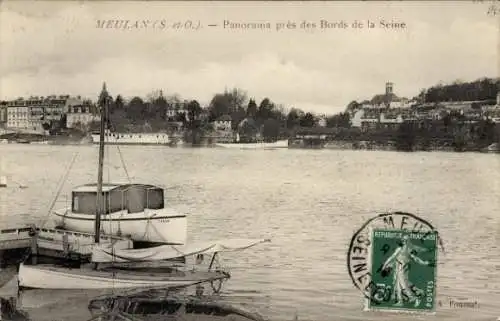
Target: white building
372 118
17 117
177 109
29 115
321 121
80 116
397 102
223 123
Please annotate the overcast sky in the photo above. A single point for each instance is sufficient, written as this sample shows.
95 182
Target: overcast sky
56 48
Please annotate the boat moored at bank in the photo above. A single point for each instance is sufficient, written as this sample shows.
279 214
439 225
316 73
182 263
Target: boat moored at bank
114 138
134 210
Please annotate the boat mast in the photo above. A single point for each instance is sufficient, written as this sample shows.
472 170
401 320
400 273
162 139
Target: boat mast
102 104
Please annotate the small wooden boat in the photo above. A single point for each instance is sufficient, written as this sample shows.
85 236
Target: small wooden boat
171 307
50 276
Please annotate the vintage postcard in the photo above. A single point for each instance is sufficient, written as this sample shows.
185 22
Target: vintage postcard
249 160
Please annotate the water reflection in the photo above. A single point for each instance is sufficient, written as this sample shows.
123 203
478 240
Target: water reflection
9 311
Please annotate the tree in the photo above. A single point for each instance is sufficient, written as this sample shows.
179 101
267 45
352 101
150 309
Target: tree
405 137
293 118
181 117
226 103
219 105
352 106
119 103
340 120
248 130
194 110
266 109
237 98
252 108
136 110
271 130
460 138
482 89
238 116
308 120
484 132
193 114
156 106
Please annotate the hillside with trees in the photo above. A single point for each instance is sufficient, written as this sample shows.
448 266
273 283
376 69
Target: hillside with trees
484 89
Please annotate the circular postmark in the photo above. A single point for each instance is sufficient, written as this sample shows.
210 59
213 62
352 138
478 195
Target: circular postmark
403 228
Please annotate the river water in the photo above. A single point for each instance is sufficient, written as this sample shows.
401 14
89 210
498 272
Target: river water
309 202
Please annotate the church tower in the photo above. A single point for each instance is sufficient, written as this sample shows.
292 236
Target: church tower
389 88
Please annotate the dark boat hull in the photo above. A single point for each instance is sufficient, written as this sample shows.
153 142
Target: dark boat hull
184 308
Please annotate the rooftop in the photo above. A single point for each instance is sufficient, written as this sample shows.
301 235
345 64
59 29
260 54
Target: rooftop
92 187
224 118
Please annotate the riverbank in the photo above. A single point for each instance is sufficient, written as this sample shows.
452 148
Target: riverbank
209 142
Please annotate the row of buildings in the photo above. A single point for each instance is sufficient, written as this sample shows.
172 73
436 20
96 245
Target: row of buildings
389 111
34 114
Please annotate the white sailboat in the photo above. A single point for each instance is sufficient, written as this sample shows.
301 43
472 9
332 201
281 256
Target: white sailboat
49 276
135 210
88 276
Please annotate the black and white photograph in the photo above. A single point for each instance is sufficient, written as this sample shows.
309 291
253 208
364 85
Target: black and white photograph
249 160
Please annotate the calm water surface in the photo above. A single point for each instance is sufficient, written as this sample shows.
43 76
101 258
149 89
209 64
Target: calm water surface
308 202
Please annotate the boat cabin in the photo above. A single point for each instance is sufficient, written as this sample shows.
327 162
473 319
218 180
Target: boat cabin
133 198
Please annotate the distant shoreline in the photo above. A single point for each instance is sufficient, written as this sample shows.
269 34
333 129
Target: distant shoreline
331 145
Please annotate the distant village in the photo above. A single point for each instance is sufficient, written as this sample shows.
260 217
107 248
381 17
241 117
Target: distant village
460 116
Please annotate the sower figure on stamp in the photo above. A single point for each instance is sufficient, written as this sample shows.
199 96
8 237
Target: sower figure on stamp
401 258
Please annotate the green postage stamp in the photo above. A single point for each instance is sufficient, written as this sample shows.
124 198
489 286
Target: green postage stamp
403 266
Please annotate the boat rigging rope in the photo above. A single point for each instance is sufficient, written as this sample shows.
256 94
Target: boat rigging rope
43 220
110 126
123 163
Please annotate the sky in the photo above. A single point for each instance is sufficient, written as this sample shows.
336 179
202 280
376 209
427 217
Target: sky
56 48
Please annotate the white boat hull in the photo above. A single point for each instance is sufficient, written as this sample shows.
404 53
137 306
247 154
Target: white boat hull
77 242
159 226
133 139
278 144
62 278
